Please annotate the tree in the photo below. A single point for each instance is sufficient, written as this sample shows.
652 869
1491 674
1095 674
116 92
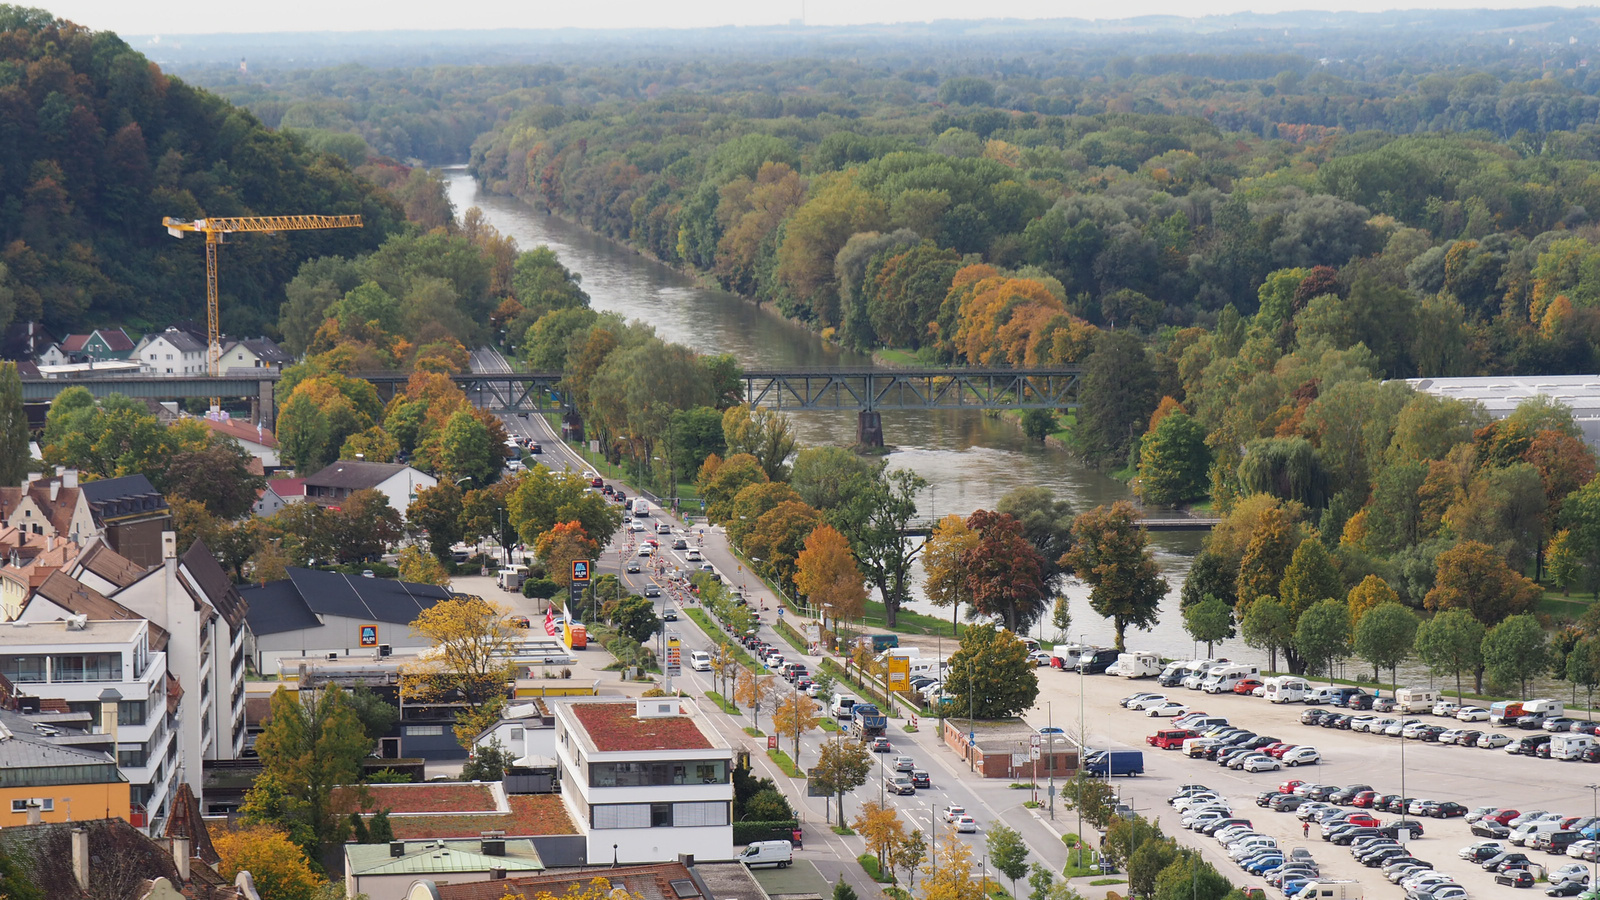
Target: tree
842 766
1039 424
1046 523
910 855
1096 800
882 830
990 674
1119 393
311 745
420 567
765 434
1061 618
561 546
1371 593
1174 462
1580 515
362 528
876 521
1310 577
796 714
539 499
1472 576
436 513
1561 561
1583 668
843 891
724 483
779 537
827 576
827 477
950 873
1384 636
1267 554
487 762
1451 643
1147 863
278 866
947 583
1514 651
1005 573
471 663
1266 626
1112 554
1008 852
750 504
467 450
754 691
1211 575
1191 878
1323 634
1210 621
636 617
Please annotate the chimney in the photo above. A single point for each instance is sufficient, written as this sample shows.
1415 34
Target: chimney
497 873
180 856
69 478
55 488
109 698
80 857
50 543
397 849
35 812
169 545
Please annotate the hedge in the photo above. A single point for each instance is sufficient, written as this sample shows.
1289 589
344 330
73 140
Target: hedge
749 832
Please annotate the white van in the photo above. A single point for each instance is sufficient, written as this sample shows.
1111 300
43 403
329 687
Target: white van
1286 689
768 853
1330 890
1324 694
1415 700
840 706
1570 746
641 508
1221 679
1525 834
700 661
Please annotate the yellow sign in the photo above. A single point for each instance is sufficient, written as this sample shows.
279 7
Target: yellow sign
899 673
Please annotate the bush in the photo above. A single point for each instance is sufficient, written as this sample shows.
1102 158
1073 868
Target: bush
870 863
750 832
540 588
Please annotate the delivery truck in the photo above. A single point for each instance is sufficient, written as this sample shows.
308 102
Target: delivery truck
1114 762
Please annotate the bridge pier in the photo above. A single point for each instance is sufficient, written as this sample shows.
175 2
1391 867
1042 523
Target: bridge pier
869 428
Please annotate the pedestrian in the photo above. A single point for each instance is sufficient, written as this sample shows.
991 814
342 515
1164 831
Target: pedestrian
1305 828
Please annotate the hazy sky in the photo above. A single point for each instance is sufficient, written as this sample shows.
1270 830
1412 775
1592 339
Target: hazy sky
167 17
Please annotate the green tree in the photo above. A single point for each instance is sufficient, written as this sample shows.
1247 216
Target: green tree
1210 621
487 762
1580 515
1561 561
15 881
828 477
876 521
765 434
1323 634
636 618
842 766
1384 636
1451 643
1147 863
1039 424
1310 577
466 449
990 674
1174 462
1211 575
1111 553
1046 523
696 434
436 515
1008 852
1061 618
14 455
542 498
1514 651
1191 878
312 744
1583 668
1119 393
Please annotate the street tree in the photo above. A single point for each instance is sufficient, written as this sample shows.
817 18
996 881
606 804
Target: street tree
778 538
1094 799
1046 524
1323 635
1385 636
1583 668
1005 574
947 584
1210 621
1112 554
1452 643
990 675
796 714
827 575
1061 618
876 521
881 828
723 664
471 663
1008 852
1472 576
910 855
1125 836
542 498
754 691
485 512
951 872
842 766
1514 651
635 617
421 567
312 744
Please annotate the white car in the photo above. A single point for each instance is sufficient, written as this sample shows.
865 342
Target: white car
1262 764
1579 848
1472 714
967 825
646 550
1362 723
700 661
1446 708
1148 702
1494 740
952 813
1301 756
1040 657
1167 709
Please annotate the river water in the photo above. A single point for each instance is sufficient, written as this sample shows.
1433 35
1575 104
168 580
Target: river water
970 460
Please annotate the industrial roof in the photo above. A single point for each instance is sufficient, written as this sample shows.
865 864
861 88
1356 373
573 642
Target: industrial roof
1500 394
307 595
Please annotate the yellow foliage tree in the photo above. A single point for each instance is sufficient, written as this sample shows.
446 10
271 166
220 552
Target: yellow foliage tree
372 445
795 714
1368 595
278 865
827 574
941 560
880 826
471 638
421 567
948 873
753 690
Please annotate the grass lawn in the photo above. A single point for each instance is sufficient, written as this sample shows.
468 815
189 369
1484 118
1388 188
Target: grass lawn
870 863
845 831
1558 607
1080 862
754 732
907 622
724 705
827 724
785 763
897 357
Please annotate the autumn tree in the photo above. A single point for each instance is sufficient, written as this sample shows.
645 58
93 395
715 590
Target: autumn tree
420 567
1385 636
1271 547
1451 643
827 576
1371 593
730 476
362 528
949 873
991 674
1473 577
471 663
541 499
842 766
561 546
1111 553
1005 573
278 865
796 714
882 830
947 583
778 539
764 434
754 691
312 744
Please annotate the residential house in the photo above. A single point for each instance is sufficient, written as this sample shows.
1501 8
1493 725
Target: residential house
387 871
254 353
172 352
100 344
278 493
335 482
131 514
25 341
49 507
524 730
329 614
256 440
645 780
50 771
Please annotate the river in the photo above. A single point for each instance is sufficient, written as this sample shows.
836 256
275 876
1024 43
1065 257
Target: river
970 460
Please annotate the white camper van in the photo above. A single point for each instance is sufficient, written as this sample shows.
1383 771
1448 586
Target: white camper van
1138 664
1570 746
1286 689
1415 700
1221 679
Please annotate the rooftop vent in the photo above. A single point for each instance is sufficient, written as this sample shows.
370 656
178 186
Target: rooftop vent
656 708
397 848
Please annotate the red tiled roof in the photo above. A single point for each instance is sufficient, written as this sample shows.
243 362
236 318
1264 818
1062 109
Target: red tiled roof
116 339
613 727
288 488
74 342
649 881
242 431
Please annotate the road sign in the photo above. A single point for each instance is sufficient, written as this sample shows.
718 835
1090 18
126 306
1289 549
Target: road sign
1036 740
674 656
580 571
1034 752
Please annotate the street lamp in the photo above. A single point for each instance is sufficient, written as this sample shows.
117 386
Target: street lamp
1083 741
1594 793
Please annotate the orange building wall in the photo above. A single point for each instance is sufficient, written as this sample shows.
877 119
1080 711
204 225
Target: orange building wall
88 801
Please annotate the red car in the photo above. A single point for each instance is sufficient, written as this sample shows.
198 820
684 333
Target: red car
1276 751
597 482
1364 799
1171 739
1363 820
1502 816
1246 686
1288 786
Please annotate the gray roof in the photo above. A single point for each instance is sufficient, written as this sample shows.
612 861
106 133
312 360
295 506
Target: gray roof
31 759
441 857
1500 395
214 581
112 497
267 349
354 475
307 595
182 340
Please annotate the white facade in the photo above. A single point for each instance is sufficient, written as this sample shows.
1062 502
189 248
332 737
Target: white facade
76 661
646 805
171 353
521 733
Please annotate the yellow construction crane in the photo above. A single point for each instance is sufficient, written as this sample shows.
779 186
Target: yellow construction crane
214 228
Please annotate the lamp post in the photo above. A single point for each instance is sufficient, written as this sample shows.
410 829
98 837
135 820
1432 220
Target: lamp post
1594 794
972 732
1083 741
1050 767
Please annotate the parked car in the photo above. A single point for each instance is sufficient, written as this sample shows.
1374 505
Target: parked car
1472 714
1493 740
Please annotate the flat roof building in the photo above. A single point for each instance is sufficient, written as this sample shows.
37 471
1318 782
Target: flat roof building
1500 395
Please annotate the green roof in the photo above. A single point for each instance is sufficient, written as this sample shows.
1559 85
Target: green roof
441 857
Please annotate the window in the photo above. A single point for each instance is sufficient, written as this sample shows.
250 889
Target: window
47 804
133 712
659 815
687 815
23 669
700 771
424 730
516 734
86 667
136 758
